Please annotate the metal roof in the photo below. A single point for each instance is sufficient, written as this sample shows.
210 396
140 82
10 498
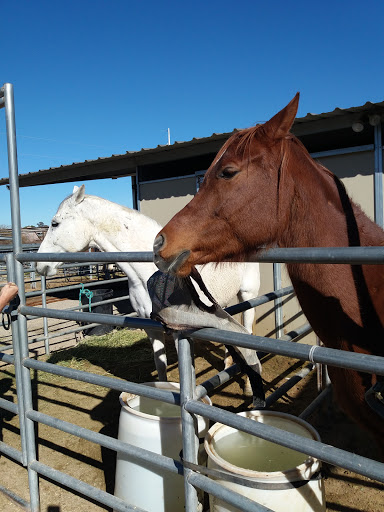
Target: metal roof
367 108
125 164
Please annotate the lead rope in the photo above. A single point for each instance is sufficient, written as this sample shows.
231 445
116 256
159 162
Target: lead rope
88 294
7 312
7 324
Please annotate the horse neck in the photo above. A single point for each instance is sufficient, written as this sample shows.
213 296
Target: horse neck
119 229
335 298
317 210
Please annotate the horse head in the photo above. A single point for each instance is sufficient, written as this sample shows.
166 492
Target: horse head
245 176
70 231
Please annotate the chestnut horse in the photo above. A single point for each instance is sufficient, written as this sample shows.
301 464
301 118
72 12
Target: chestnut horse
263 189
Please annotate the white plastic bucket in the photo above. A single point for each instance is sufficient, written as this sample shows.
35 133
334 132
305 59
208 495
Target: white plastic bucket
284 479
155 426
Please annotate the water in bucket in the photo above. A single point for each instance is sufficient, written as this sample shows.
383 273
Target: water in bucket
250 452
156 408
283 477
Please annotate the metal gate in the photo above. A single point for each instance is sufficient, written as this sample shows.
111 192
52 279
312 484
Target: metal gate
189 392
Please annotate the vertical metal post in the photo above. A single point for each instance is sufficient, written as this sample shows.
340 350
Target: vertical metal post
278 302
379 219
90 268
19 279
45 319
188 420
32 275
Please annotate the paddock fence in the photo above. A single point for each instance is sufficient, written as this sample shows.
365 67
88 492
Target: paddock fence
188 398
75 288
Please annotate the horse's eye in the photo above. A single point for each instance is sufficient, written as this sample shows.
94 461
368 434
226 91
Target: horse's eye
228 173
54 224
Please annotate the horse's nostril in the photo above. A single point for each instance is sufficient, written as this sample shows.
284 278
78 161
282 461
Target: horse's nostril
158 243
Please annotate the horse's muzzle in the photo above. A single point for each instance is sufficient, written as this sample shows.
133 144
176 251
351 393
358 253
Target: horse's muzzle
158 243
46 269
171 264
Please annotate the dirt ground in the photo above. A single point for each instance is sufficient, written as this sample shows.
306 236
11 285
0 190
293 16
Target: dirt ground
98 409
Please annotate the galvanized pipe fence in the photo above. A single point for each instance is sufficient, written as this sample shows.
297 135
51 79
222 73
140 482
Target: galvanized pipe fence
42 289
189 393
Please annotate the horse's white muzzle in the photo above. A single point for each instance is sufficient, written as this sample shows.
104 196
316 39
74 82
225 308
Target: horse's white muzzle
44 268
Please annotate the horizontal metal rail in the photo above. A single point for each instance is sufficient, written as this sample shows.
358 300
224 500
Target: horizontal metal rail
233 498
9 406
94 493
324 452
14 497
95 257
74 265
60 333
292 381
258 301
11 452
170 397
297 334
316 402
339 255
156 460
7 358
118 321
217 380
225 375
63 333
93 304
90 284
315 354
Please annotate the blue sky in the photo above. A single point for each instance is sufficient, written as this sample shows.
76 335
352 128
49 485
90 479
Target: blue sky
94 78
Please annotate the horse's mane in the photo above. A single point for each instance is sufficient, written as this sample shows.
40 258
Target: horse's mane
308 157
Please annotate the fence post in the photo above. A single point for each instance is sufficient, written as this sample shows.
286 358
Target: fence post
278 302
33 275
45 319
188 420
19 279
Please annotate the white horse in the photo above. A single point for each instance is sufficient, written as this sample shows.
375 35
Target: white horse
82 221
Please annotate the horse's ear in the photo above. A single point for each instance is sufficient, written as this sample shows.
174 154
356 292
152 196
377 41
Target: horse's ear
78 194
280 124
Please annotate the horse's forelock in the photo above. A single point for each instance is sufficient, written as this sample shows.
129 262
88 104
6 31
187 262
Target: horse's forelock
239 142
